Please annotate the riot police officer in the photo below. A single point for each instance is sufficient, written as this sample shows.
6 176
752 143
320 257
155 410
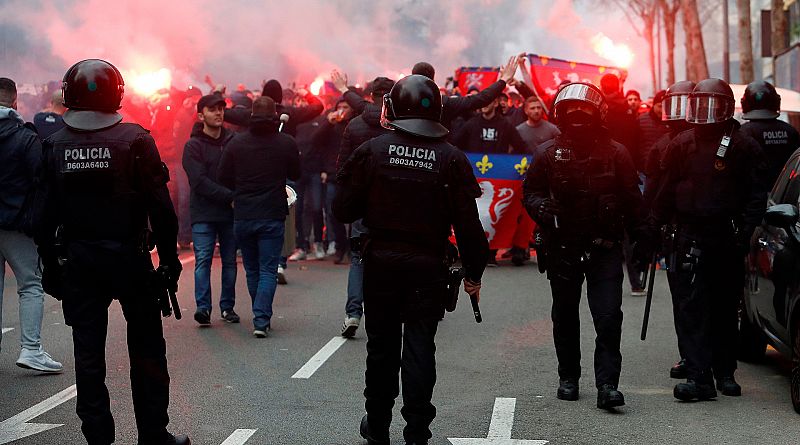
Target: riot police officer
583 190
106 204
713 192
761 105
410 187
674 116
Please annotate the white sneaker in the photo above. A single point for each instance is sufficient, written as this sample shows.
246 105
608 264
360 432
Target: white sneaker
319 251
331 248
298 255
38 360
281 275
350 326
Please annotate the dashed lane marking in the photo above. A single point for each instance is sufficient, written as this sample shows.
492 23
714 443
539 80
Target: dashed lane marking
239 437
499 427
319 358
17 427
7 330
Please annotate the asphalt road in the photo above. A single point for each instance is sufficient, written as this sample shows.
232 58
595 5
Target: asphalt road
224 379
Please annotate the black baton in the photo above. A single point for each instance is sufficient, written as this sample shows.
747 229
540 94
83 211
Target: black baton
475 308
649 301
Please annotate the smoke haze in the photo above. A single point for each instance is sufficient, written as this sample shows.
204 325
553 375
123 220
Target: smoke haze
247 41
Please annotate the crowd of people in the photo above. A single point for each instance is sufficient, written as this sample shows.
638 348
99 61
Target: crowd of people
608 172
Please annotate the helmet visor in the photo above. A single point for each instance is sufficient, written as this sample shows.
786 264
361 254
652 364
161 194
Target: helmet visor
581 92
674 107
708 109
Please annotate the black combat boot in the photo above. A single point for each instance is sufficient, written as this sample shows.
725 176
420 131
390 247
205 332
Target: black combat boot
609 397
728 386
372 437
678 370
171 440
567 389
694 390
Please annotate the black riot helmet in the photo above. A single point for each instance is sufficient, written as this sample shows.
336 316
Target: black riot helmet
675 101
579 104
414 105
710 102
761 101
92 91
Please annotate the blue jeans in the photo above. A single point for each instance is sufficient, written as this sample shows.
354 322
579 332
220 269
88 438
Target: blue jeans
355 287
261 241
204 236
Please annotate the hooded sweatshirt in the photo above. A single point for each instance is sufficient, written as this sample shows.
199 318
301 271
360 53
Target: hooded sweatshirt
20 163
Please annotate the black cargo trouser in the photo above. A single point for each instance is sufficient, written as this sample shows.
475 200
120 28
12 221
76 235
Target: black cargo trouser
603 274
88 318
707 302
402 307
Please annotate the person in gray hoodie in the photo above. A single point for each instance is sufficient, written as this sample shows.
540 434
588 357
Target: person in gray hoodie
20 164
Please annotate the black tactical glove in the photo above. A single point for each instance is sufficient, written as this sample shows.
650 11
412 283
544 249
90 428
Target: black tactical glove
170 273
548 212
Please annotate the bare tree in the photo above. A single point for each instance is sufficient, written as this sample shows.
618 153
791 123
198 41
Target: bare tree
745 41
779 27
696 63
642 14
669 14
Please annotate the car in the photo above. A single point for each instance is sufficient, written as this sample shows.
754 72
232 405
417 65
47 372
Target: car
771 303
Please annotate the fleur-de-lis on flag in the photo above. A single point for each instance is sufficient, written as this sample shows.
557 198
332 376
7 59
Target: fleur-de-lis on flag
484 165
522 167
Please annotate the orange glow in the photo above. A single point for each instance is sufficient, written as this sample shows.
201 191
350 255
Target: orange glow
316 86
146 84
617 53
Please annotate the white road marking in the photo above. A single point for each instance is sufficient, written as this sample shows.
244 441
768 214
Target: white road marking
17 427
319 358
502 418
239 437
7 330
499 427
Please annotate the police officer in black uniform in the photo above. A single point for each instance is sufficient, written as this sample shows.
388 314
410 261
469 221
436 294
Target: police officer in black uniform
713 192
105 186
583 190
761 105
674 116
410 187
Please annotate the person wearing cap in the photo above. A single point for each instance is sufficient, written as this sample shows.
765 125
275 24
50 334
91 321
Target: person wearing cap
583 192
256 164
761 105
713 191
211 210
410 187
106 204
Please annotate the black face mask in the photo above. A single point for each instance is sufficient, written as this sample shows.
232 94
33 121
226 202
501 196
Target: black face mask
579 120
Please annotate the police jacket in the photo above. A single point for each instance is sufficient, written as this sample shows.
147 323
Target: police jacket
255 165
709 192
452 106
103 188
297 115
777 139
20 160
595 185
210 201
649 129
414 189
